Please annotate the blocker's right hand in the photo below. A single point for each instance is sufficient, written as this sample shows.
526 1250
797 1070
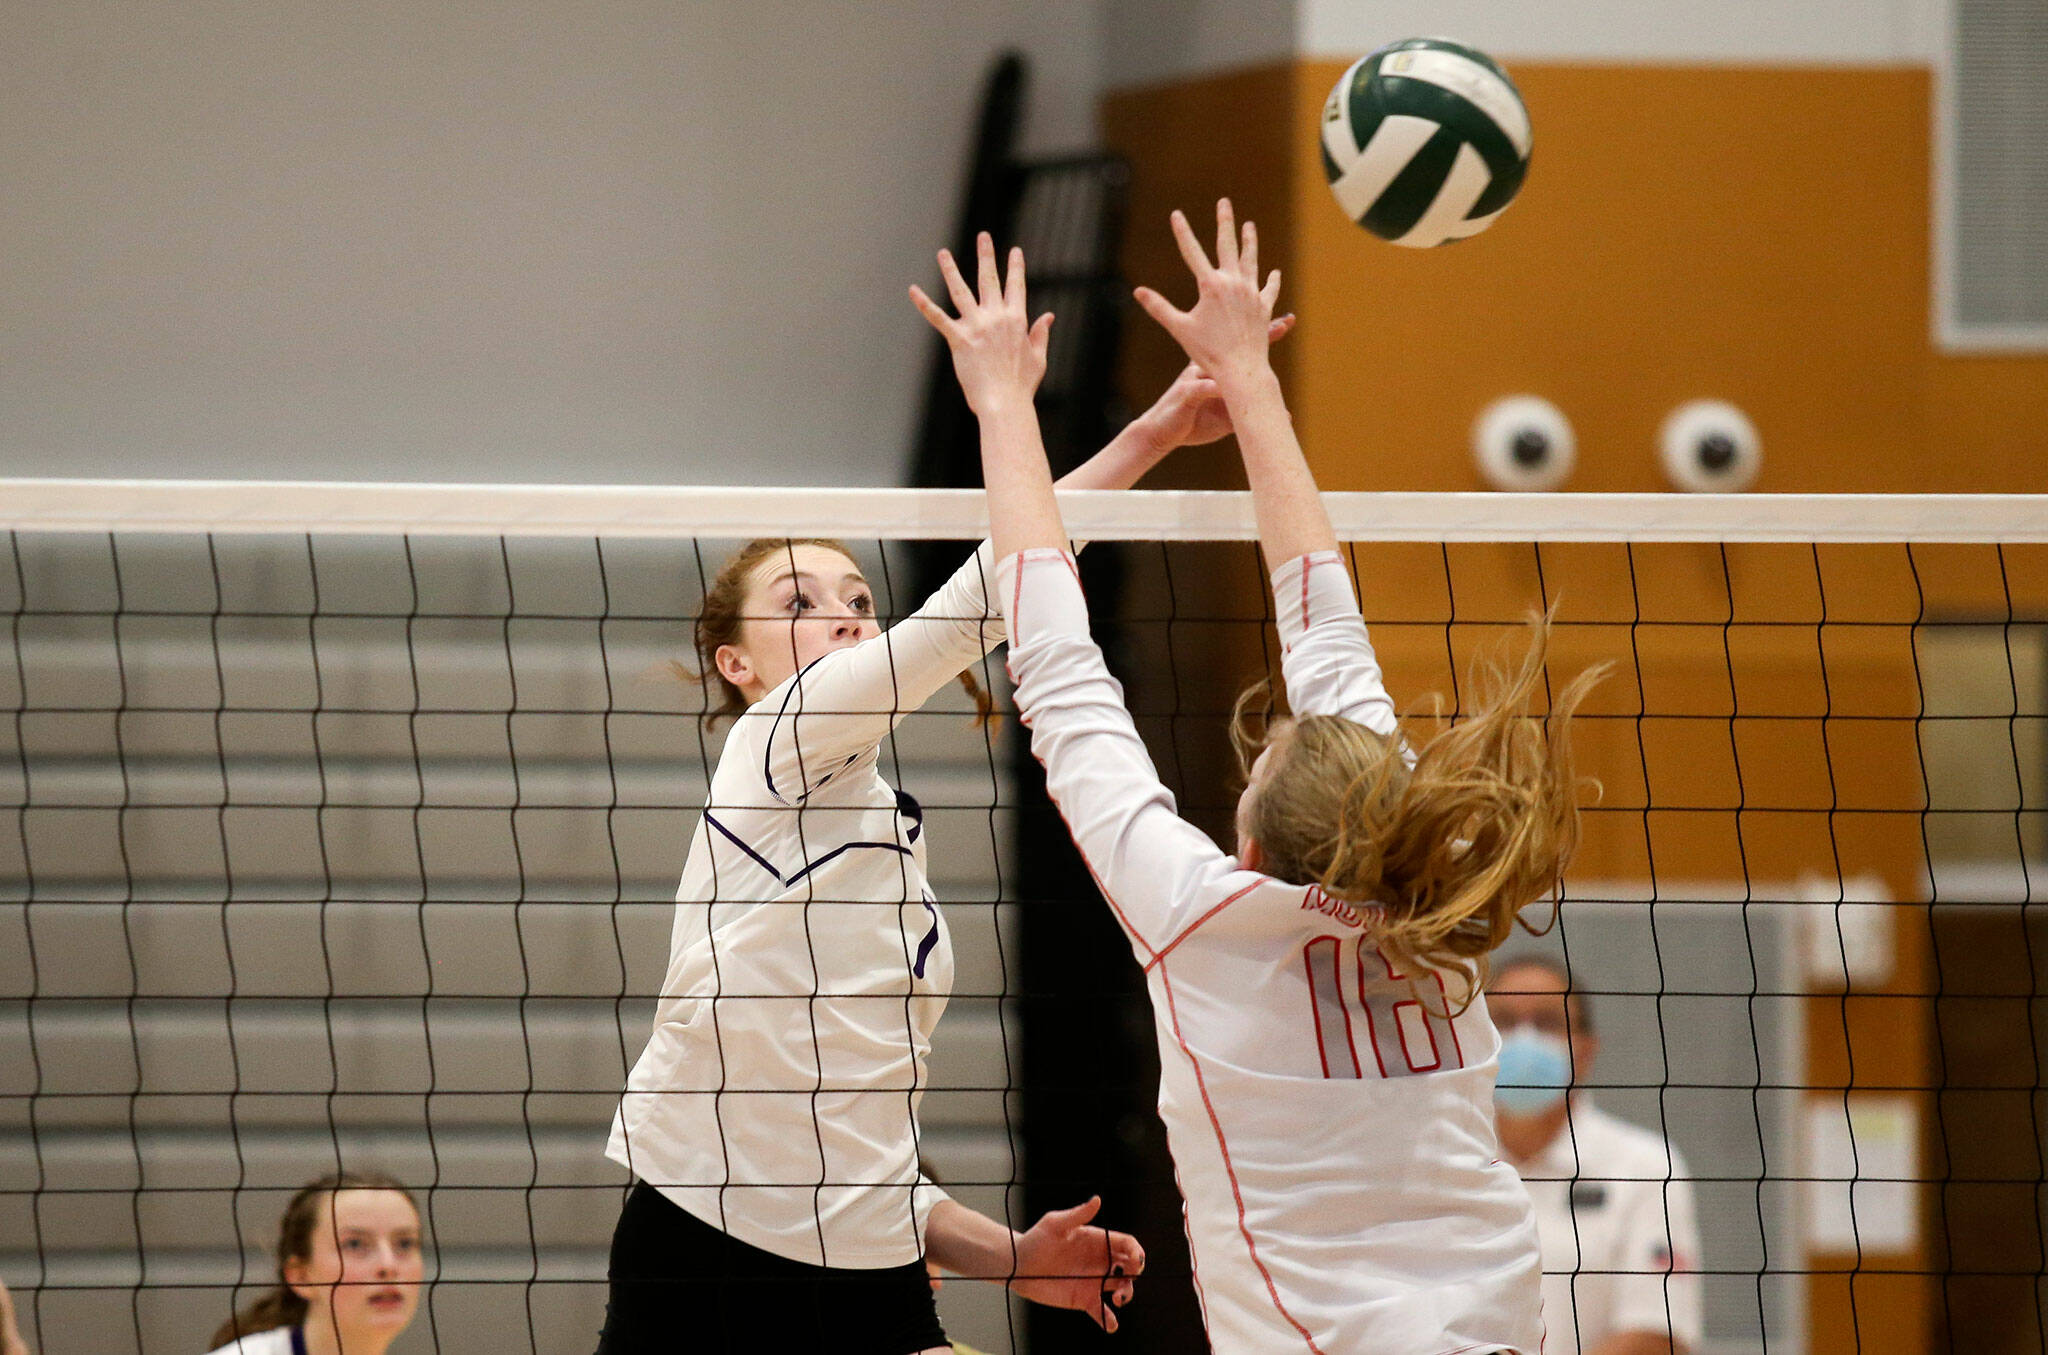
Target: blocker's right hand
1065 1261
998 356
1227 330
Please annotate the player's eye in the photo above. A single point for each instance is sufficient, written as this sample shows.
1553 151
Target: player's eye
800 602
862 604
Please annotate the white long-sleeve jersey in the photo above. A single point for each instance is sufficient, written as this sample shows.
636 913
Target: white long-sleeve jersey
777 1097
1333 1135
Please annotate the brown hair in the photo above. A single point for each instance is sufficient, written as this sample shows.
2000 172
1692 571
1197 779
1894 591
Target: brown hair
282 1306
1578 1004
1449 851
718 624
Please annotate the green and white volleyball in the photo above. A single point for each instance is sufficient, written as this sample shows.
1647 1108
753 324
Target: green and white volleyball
1425 142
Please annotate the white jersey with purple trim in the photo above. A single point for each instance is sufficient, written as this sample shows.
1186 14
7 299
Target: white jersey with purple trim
777 1097
1333 1134
276 1341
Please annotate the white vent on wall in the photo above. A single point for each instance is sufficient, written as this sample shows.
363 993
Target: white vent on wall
1991 177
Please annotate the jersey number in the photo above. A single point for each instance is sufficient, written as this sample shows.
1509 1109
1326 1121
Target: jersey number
1401 1035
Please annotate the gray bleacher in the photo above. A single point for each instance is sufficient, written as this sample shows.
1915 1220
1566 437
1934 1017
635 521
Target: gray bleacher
369 956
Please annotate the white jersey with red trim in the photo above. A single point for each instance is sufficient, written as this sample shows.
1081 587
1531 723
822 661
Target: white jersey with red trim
777 1097
1333 1134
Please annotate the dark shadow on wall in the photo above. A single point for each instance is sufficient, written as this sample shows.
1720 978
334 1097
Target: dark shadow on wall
1089 1074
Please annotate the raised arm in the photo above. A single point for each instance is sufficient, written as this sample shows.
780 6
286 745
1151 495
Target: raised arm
1151 864
827 716
1000 360
1329 664
1226 334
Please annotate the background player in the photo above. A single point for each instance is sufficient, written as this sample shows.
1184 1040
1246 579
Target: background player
348 1272
771 1122
1327 1060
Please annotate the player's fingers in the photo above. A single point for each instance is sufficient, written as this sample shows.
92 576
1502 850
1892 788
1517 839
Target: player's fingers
1226 237
1077 1215
1270 293
1013 282
991 290
1041 334
1190 247
1248 255
956 286
931 311
1160 309
1279 329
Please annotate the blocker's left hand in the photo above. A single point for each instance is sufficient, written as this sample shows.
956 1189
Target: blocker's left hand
1191 412
1227 330
998 354
1065 1262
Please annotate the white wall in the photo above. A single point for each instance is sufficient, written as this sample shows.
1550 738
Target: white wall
1150 41
636 240
1825 31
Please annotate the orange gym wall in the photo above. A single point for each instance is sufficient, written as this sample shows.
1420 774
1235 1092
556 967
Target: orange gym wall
1758 234
1755 234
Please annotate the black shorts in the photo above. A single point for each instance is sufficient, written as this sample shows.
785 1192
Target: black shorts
679 1284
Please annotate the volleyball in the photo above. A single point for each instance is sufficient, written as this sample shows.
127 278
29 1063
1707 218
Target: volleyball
1425 141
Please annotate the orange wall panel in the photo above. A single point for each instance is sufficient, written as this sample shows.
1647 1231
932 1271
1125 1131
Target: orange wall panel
1755 234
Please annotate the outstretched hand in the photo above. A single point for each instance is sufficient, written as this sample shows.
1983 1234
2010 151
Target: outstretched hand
1226 332
1065 1262
998 356
1191 412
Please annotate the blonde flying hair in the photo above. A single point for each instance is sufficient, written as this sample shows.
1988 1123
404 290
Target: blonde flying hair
1449 851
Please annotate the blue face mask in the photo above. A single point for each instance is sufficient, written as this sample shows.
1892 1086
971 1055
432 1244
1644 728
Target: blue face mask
1535 1072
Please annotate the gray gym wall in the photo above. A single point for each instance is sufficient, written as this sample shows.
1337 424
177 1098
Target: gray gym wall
632 242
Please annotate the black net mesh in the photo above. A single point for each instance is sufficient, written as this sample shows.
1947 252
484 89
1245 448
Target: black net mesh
360 853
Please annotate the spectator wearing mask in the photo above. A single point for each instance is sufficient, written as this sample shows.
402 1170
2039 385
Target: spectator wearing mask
1614 1208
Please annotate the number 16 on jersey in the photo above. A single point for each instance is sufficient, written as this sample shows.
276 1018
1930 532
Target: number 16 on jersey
1369 1017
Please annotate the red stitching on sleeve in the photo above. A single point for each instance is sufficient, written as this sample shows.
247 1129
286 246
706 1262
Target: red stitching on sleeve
1188 930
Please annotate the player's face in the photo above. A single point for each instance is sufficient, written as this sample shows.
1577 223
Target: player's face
801 604
364 1272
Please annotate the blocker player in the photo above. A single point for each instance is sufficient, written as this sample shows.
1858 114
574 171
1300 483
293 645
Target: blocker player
771 1123
1326 1056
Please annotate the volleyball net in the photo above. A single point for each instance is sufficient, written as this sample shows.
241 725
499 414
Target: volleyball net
347 819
